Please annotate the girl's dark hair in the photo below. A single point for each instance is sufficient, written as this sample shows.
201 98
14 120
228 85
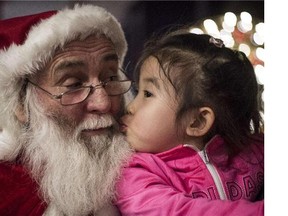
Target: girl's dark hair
205 73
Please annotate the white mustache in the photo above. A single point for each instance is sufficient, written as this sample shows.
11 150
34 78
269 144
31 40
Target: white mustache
101 121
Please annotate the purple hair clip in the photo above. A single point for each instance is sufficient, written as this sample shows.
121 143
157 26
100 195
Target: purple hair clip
217 42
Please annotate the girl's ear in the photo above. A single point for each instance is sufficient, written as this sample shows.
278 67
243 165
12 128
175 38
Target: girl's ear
20 114
200 123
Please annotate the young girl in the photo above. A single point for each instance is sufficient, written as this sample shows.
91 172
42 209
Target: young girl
196 127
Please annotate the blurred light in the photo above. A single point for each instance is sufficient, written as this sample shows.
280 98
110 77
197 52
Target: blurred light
260 53
196 31
259 71
245 24
259 28
230 19
257 39
245 49
237 32
211 27
227 38
246 17
227 27
244 27
230 43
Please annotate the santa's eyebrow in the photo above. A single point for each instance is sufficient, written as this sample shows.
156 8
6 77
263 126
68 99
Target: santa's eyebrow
111 57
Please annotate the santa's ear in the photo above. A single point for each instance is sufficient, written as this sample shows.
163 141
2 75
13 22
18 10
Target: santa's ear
20 114
201 122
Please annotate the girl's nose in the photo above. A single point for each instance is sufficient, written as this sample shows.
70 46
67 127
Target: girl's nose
130 108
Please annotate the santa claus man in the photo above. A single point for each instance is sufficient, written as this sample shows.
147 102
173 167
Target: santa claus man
61 93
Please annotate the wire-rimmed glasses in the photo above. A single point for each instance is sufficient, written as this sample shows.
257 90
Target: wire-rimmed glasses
78 95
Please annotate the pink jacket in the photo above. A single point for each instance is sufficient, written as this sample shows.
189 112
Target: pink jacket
183 181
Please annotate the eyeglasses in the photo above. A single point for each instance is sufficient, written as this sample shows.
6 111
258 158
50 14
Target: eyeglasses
78 95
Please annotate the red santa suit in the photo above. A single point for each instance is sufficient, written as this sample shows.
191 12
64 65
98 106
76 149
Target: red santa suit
19 193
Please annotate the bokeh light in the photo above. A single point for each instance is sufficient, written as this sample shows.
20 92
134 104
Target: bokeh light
238 31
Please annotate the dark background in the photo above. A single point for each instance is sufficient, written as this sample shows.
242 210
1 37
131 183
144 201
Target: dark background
146 17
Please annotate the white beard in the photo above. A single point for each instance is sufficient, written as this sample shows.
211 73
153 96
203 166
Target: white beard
76 174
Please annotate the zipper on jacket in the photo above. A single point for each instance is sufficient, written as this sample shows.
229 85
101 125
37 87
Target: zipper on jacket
212 169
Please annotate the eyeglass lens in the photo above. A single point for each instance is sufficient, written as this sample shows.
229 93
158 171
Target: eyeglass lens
112 88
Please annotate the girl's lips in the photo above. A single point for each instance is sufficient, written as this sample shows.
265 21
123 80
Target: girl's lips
123 127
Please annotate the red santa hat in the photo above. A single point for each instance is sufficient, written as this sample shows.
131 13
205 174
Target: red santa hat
27 43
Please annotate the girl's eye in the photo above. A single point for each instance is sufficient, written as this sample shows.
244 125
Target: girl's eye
147 94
